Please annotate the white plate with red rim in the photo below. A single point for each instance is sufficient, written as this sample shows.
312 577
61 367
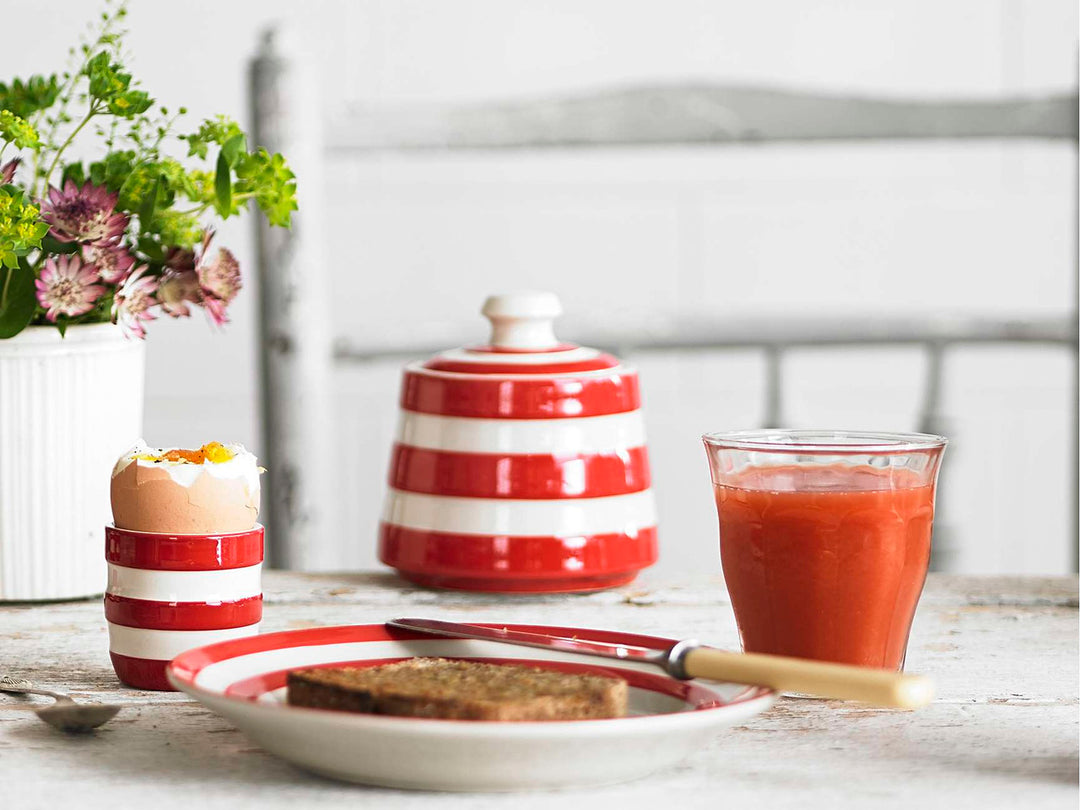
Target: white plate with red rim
243 680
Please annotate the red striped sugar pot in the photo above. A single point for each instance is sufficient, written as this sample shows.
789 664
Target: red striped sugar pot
168 593
520 465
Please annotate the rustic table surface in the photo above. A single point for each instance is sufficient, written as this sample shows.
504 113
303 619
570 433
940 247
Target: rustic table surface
1003 731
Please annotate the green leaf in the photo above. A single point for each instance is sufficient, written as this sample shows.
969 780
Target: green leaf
74 172
26 98
130 103
50 245
114 171
223 185
146 210
106 79
97 173
151 249
233 147
19 303
98 63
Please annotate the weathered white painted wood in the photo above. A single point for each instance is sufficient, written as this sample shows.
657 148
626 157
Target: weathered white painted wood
696 114
1002 733
294 342
670 330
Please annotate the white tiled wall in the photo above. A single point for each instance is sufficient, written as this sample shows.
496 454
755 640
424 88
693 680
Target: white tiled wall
772 230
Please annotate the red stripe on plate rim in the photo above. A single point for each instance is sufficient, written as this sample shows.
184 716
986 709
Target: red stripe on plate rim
146 614
698 697
188 664
185 668
522 476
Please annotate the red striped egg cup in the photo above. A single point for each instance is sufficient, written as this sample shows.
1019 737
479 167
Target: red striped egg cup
168 593
520 466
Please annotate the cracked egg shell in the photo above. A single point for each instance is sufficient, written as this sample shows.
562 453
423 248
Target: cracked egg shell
153 494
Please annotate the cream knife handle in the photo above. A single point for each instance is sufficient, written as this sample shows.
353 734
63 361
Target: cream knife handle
876 686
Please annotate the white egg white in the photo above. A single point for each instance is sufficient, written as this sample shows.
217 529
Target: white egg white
243 464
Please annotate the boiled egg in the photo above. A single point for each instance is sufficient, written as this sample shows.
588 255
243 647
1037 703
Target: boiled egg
211 490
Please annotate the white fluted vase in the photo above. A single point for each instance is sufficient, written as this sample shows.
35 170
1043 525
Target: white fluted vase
68 408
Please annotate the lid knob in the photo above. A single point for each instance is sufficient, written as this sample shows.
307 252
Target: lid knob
523 320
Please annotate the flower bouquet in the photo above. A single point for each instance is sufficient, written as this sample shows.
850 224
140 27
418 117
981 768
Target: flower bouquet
107 209
125 236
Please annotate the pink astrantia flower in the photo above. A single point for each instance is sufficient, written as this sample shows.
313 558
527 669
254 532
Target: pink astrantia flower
83 214
179 288
67 287
215 309
7 171
112 261
180 259
219 279
134 302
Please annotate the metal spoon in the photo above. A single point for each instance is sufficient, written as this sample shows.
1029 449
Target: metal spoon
65 714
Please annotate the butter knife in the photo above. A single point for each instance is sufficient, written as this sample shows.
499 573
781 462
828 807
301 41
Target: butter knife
688 659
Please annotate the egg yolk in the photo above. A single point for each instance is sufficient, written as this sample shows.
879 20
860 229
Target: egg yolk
214 452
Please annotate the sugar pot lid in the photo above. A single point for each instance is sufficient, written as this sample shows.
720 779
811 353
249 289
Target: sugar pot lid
522 342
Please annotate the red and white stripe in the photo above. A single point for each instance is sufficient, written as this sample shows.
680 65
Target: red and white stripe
517 470
245 682
171 593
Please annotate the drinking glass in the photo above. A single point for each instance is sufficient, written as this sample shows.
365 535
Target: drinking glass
825 538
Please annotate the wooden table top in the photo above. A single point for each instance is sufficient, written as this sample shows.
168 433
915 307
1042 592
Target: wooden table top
1003 731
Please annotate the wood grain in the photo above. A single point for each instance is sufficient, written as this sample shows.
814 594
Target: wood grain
1001 733
696 114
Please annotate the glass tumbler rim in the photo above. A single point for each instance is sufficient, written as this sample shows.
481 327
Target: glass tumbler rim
832 442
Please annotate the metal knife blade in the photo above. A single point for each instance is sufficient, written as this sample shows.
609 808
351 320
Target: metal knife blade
668 660
689 659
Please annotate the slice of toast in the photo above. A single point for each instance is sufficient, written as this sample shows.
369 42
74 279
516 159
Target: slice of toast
459 690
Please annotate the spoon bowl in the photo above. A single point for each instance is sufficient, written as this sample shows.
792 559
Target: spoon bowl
65 714
77 718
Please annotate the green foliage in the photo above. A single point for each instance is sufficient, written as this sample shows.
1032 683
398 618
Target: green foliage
170 228
21 230
73 172
223 186
110 87
17 299
21 227
168 199
271 182
16 130
219 130
113 170
142 183
26 98
259 175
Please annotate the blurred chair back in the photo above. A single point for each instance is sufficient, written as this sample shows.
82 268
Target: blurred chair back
296 351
